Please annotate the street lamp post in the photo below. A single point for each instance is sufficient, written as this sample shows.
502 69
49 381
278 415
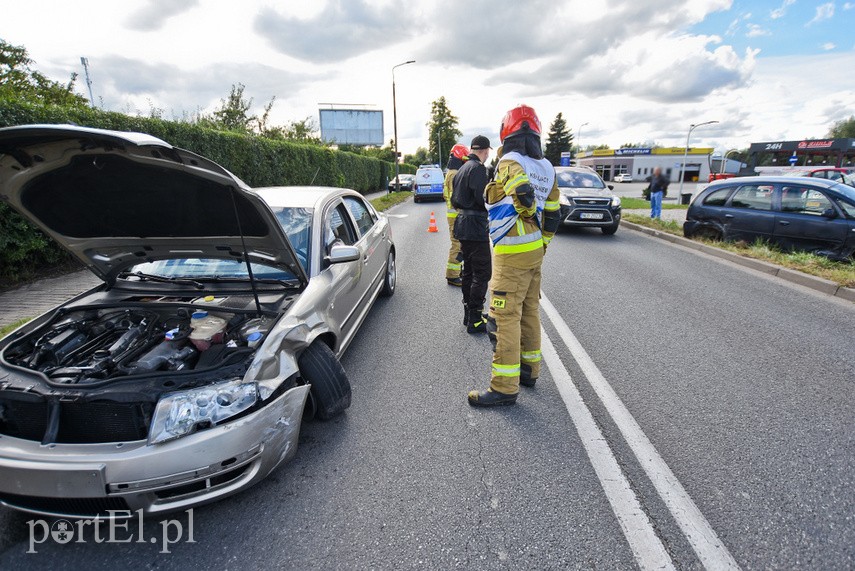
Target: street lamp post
724 160
395 121
686 154
579 137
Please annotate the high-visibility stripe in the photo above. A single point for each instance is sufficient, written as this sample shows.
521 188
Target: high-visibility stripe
451 266
507 370
531 356
547 239
518 248
551 205
451 214
518 180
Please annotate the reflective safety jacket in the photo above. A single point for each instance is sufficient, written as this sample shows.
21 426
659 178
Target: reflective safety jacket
447 189
523 209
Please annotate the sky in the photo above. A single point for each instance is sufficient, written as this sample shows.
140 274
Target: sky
619 71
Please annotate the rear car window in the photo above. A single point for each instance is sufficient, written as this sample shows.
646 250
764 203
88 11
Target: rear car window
753 197
717 198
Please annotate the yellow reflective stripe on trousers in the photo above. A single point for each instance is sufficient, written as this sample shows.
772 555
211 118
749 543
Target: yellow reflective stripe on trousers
531 356
506 370
551 205
452 266
451 212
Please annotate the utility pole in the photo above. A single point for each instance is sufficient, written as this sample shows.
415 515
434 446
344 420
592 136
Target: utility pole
85 62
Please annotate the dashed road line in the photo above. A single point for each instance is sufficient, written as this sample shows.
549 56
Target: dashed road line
710 550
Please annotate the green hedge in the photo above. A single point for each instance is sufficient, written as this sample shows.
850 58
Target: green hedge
257 161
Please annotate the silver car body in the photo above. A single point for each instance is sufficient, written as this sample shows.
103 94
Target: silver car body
325 300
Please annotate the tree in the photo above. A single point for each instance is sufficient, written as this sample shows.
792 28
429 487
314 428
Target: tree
421 157
559 140
442 130
19 81
843 129
302 131
233 113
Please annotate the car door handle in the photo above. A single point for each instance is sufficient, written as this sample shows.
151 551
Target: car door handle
728 215
365 259
784 222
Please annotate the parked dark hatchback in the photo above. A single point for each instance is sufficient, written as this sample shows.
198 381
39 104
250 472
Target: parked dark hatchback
796 213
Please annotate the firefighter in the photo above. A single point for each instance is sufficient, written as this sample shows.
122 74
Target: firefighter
471 229
459 155
524 214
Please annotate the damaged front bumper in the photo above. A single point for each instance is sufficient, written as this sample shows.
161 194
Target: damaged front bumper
118 479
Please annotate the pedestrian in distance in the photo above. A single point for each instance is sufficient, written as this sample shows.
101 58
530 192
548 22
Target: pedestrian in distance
459 155
470 228
524 214
658 186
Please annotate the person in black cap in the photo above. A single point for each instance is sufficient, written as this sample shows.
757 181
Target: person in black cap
471 228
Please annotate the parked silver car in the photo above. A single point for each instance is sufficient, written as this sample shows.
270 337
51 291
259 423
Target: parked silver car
184 378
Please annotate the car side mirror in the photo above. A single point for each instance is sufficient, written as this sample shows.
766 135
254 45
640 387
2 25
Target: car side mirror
829 213
341 253
611 186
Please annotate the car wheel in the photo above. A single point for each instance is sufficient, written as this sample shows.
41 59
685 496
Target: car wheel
609 230
330 388
391 279
416 199
708 233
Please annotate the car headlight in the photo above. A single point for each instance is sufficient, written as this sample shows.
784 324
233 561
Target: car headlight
565 200
615 201
179 414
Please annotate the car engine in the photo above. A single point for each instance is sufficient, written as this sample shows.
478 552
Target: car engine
96 345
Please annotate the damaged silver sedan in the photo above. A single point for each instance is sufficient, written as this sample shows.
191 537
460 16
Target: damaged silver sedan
223 311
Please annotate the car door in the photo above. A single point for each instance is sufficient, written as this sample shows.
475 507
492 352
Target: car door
809 220
749 214
371 242
344 279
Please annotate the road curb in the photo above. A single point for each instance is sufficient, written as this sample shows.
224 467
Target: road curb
821 285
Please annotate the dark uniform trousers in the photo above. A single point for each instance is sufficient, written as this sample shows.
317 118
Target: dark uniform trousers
475 274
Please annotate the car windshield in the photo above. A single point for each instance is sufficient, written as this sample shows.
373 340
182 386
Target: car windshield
845 190
573 179
196 268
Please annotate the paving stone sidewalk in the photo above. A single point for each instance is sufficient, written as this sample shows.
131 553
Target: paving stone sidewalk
35 298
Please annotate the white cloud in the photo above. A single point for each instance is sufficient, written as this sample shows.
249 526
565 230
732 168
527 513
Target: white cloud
780 12
823 12
828 46
848 5
755 31
152 16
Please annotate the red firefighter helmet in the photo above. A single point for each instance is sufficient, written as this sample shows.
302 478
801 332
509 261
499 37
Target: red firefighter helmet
520 119
460 151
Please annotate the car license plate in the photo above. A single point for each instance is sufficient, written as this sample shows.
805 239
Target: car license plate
591 216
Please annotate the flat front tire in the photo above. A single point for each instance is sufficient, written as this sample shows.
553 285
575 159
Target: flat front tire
330 388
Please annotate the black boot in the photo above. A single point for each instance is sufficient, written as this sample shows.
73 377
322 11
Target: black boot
477 321
490 398
465 313
526 379
454 282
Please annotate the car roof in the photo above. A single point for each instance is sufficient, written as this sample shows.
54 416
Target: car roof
300 196
826 183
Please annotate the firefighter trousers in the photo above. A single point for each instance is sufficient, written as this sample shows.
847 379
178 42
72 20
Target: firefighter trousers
515 307
452 269
475 273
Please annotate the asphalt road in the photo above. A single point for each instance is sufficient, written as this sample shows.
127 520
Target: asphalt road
735 444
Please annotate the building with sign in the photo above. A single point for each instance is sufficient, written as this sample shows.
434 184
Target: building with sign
640 162
812 153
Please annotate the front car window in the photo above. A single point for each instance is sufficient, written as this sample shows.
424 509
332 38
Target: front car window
297 223
360 213
753 197
337 229
801 200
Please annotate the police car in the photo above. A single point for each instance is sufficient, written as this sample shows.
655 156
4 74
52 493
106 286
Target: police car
428 184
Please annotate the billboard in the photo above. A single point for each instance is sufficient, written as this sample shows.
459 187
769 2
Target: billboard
352 126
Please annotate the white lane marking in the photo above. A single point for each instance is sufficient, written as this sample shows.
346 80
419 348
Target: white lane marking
645 544
712 553
397 215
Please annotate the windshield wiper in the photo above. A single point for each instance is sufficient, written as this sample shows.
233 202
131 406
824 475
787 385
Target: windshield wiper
163 279
275 281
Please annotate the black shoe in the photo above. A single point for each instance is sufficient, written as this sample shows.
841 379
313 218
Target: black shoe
454 282
490 398
477 322
525 376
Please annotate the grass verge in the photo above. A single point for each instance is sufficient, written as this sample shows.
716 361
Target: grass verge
387 201
631 203
841 273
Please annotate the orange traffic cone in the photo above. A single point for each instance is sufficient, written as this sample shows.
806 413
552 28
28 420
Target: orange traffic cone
432 225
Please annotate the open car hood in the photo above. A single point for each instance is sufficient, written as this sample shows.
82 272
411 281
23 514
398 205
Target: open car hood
116 199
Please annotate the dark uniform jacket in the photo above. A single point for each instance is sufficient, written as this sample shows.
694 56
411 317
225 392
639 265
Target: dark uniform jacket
468 198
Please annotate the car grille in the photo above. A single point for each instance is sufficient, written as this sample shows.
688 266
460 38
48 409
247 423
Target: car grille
81 507
79 422
592 201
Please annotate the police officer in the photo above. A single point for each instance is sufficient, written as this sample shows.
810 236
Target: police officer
524 214
459 155
470 228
